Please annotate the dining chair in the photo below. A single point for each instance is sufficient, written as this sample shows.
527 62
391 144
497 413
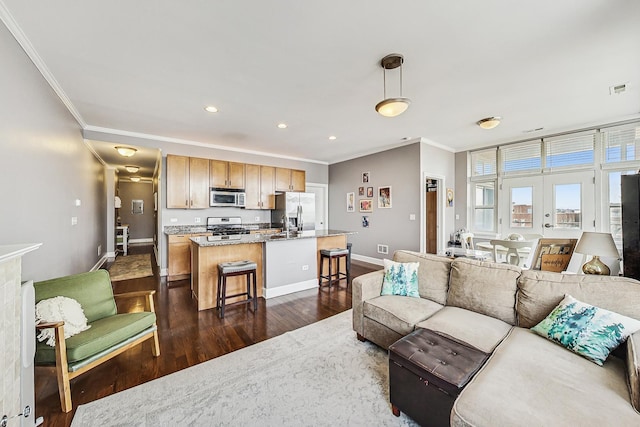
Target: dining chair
466 239
512 255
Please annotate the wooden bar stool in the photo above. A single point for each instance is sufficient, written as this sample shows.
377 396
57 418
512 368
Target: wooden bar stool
237 268
331 255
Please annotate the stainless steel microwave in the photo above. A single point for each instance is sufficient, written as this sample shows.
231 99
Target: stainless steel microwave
227 197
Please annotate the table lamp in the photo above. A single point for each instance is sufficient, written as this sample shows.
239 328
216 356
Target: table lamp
597 245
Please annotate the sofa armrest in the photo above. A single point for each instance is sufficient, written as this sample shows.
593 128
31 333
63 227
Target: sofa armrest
364 288
149 306
633 369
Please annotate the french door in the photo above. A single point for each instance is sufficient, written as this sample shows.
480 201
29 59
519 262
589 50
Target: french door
560 205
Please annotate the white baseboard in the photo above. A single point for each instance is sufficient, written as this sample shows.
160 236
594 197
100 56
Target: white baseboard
100 262
164 272
146 240
368 259
289 289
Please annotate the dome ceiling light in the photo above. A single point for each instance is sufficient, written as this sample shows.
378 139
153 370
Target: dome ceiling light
132 169
489 122
392 107
126 151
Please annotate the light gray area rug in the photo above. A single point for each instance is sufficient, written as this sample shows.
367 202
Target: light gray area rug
319 375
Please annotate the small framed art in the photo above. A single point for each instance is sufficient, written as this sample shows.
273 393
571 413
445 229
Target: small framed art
369 191
366 205
351 202
384 197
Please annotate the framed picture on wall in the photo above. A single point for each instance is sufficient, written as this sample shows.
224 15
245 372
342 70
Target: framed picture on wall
351 202
366 205
360 191
365 221
369 191
365 177
384 197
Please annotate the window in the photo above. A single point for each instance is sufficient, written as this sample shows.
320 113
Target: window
483 163
484 206
615 206
567 205
570 150
621 144
522 207
525 157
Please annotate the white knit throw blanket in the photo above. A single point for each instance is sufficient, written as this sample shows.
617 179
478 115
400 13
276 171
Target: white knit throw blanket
58 309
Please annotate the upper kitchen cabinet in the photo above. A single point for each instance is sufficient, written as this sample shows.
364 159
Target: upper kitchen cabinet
290 179
224 174
260 187
187 182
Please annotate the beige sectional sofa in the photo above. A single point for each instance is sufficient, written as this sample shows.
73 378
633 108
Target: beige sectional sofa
528 380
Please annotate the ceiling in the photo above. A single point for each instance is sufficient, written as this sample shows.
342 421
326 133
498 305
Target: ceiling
146 159
150 67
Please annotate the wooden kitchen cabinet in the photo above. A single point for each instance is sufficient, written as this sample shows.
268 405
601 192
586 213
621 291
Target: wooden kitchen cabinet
180 256
187 182
223 174
260 187
290 180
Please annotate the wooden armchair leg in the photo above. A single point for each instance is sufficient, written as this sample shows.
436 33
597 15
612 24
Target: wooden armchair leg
62 371
156 344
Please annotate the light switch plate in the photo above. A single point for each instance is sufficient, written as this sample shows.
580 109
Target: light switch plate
74 220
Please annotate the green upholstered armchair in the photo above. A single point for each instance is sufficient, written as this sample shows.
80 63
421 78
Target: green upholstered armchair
109 335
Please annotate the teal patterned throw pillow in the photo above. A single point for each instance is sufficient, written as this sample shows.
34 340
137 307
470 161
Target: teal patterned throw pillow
590 331
400 279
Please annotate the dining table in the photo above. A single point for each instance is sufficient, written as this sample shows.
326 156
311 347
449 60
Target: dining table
514 252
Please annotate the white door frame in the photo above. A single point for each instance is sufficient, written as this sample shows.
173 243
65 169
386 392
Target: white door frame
325 187
441 206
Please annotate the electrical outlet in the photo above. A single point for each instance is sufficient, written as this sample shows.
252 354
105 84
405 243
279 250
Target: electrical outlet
305 267
74 220
174 220
196 220
78 202
412 217
99 250
256 219
383 249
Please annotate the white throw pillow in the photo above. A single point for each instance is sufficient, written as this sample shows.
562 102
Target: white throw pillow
58 309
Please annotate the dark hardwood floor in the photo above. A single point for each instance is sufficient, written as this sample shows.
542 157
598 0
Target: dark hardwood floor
188 337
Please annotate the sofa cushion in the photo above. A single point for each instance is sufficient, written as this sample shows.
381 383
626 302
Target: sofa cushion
524 378
95 295
484 287
433 274
466 326
400 278
104 334
399 313
587 330
540 291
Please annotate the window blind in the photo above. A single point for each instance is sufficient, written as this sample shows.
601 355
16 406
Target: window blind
570 150
525 157
621 144
483 163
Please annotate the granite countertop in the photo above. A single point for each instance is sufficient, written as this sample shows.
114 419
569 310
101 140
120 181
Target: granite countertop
189 229
204 241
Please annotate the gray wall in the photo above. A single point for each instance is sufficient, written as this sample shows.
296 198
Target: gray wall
462 200
399 168
44 168
140 226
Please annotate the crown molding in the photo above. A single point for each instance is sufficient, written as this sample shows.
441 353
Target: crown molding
151 137
28 48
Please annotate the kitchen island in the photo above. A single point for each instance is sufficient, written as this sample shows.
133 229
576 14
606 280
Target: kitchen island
287 262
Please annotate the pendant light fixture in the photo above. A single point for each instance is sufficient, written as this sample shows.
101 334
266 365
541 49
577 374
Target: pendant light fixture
391 107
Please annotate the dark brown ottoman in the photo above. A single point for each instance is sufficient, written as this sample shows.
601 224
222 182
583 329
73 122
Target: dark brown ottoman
427 371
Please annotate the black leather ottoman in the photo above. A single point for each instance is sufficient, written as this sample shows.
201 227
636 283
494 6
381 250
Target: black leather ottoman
427 371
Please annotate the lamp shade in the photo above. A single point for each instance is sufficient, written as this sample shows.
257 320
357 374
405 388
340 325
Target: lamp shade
600 244
392 107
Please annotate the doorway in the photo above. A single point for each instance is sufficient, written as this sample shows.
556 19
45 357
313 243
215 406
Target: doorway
320 190
432 217
559 205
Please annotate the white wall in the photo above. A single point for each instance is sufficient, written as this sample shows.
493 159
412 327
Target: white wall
44 168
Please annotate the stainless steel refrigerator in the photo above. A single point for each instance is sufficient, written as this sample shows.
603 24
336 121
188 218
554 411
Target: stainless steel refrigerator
294 211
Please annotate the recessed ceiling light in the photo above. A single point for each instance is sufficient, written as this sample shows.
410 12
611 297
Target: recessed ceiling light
132 169
210 109
332 138
489 122
126 151
282 125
